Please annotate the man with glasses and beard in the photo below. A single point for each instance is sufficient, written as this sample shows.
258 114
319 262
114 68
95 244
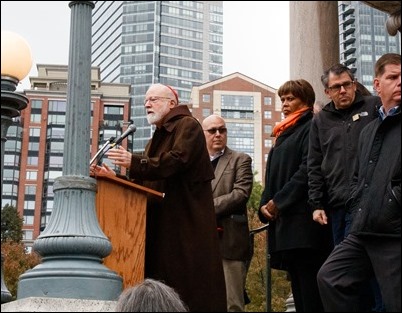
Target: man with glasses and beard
181 245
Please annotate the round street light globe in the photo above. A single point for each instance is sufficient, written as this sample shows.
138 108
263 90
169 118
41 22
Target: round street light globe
16 57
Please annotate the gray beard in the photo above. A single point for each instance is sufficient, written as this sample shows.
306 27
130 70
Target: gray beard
157 117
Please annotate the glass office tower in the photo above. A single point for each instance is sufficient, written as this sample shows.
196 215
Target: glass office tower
178 43
363 38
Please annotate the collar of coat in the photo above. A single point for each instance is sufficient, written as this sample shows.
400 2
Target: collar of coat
174 114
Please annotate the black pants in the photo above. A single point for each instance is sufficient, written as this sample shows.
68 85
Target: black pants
303 266
354 261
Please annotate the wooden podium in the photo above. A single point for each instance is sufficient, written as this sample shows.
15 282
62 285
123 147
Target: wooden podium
121 211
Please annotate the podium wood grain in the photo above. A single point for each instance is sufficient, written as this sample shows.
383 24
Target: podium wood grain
121 210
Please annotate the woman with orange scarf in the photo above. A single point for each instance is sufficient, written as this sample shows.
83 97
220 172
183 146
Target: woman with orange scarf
296 243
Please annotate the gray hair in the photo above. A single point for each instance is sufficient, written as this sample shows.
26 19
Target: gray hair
150 296
336 69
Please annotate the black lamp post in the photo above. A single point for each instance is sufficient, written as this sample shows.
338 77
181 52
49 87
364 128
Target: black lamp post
16 62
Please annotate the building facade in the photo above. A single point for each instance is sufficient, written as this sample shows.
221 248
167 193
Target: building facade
35 142
178 43
251 110
137 43
363 38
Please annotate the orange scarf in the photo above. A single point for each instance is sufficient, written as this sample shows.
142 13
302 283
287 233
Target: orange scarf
289 121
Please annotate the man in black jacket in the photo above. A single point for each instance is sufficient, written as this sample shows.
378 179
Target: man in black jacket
373 244
333 142
332 146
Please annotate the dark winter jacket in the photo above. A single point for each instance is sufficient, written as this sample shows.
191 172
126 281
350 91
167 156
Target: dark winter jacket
333 146
375 205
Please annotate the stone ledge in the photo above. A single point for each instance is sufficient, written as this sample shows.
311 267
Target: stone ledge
37 304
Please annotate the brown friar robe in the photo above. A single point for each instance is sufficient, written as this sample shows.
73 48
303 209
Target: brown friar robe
182 246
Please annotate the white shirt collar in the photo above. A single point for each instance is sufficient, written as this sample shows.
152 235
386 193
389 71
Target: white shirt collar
216 155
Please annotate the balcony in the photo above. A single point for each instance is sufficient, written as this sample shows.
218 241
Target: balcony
347 10
349 29
348 49
347 40
350 19
349 59
353 68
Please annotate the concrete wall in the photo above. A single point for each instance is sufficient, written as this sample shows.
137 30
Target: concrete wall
314 41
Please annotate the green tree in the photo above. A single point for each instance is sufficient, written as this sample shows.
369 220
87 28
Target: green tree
16 262
256 284
16 258
11 224
253 203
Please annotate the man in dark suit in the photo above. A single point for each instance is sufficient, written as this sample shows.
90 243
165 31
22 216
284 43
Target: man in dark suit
231 190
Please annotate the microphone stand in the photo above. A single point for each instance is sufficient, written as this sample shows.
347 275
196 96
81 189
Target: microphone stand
102 150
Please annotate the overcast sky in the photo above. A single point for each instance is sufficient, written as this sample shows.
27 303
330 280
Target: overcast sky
255 39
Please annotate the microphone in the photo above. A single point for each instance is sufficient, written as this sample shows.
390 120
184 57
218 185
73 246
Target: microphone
98 156
131 129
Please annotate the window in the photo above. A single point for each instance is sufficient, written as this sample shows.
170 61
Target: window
56 146
267 101
35 118
29 205
36 104
268 129
237 102
30 189
28 234
56 161
267 114
10 189
206 112
206 98
11 202
10 159
268 143
33 146
28 220
32 175
57 106
49 206
55 132
34 132
9 174
55 174
57 119
114 110
32 160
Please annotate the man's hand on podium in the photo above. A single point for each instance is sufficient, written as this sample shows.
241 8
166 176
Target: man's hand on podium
119 156
101 170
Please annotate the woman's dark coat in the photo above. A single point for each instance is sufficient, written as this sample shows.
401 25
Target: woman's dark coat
286 184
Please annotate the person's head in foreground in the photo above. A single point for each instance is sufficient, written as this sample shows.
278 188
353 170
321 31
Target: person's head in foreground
150 296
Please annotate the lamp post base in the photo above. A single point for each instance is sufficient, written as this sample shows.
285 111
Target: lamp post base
70 277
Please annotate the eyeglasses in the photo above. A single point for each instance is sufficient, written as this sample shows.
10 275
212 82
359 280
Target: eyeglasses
153 100
337 88
221 130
